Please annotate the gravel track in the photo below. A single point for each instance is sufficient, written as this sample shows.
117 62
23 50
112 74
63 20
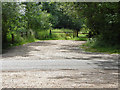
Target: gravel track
105 76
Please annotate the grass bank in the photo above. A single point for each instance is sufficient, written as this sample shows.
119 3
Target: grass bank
18 40
94 46
56 34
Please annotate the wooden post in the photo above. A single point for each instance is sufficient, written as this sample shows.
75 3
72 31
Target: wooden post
90 35
12 38
21 34
73 34
30 33
50 33
77 33
26 34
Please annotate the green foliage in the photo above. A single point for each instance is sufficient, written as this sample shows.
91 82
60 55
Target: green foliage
18 40
9 12
59 34
36 17
101 20
62 15
19 18
92 46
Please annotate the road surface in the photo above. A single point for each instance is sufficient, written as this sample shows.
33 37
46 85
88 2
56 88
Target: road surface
58 64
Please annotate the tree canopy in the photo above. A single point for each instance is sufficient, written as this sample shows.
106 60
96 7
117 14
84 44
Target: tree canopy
102 18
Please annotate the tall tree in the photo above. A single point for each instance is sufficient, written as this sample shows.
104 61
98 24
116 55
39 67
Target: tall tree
102 19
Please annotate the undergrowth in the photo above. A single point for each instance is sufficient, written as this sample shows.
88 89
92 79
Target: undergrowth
59 34
93 45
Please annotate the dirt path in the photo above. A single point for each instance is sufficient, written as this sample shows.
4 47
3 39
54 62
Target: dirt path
52 49
106 75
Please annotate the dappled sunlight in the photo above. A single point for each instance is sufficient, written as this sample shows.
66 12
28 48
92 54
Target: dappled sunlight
54 49
60 45
60 50
61 63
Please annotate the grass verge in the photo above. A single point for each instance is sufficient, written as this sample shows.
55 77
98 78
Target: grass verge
18 41
93 47
57 34
60 34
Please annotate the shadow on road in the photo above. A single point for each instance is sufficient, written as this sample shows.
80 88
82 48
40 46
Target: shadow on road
92 55
97 77
108 65
62 51
77 49
103 62
41 43
23 50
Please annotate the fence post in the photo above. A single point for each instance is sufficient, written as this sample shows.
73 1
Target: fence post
74 34
30 33
12 38
50 32
26 34
21 34
77 33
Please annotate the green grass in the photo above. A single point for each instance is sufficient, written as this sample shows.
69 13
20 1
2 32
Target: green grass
42 35
59 34
92 47
82 35
62 30
79 39
18 40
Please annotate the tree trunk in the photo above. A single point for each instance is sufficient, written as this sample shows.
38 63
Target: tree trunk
4 39
4 35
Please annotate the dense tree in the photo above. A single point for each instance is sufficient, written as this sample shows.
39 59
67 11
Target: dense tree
63 16
10 18
21 17
36 17
102 19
